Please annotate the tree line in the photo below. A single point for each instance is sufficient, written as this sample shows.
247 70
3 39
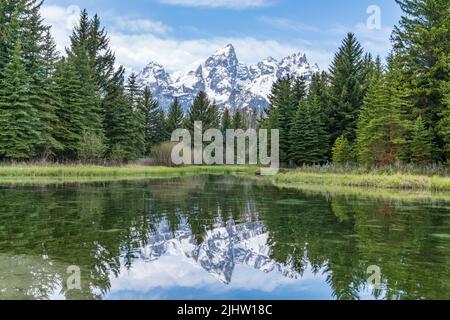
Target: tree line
363 111
80 106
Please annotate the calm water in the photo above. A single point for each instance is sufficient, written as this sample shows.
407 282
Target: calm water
217 238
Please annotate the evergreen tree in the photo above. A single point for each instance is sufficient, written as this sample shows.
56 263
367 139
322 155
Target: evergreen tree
134 92
202 110
343 151
299 91
175 117
19 121
121 121
155 131
238 121
90 53
421 43
444 124
308 138
381 129
319 92
10 26
47 99
227 122
100 55
280 113
70 110
22 20
213 115
347 87
421 146
135 96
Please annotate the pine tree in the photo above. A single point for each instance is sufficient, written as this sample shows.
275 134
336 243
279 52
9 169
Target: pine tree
175 117
121 121
3 35
94 61
347 87
47 99
227 122
299 90
70 111
343 151
213 116
280 113
421 43
381 129
421 146
22 20
319 92
100 55
238 121
155 130
444 123
308 138
134 92
19 121
135 95
202 110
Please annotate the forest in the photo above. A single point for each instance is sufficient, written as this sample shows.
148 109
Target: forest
80 106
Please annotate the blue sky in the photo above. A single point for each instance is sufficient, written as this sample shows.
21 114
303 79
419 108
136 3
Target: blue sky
181 33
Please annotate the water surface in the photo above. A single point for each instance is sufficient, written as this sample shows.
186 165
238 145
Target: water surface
212 237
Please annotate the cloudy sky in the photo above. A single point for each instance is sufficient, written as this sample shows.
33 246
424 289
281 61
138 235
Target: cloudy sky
181 33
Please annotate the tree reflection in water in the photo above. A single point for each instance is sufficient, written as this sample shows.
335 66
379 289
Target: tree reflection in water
218 223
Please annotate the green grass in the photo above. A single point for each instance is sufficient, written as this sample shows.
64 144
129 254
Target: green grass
396 181
24 172
311 176
421 196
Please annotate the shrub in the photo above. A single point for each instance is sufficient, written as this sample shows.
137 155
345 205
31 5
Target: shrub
162 154
118 154
92 147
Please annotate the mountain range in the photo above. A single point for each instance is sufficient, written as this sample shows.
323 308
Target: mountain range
231 84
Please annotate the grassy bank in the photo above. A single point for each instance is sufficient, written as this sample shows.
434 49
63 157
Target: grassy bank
398 181
310 176
36 172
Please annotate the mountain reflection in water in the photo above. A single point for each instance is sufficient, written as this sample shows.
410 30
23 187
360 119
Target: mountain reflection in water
212 237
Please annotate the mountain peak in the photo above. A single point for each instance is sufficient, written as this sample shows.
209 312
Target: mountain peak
153 64
227 51
232 84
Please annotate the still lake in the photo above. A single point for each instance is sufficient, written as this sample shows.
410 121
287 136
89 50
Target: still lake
213 237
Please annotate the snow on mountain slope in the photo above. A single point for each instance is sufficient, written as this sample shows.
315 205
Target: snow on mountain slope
232 84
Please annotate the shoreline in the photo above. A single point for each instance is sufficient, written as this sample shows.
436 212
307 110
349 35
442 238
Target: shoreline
296 178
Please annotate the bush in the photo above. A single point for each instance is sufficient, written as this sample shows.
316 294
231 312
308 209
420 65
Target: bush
162 154
118 154
92 147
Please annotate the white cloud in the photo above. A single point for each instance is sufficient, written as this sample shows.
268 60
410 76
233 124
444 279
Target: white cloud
375 41
233 4
148 41
62 20
141 25
134 51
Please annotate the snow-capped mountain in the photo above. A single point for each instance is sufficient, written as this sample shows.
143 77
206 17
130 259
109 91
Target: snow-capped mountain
232 84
